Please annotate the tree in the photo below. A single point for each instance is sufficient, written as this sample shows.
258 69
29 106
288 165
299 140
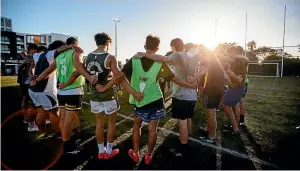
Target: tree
251 45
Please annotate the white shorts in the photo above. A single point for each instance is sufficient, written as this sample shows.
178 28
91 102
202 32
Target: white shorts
108 107
47 100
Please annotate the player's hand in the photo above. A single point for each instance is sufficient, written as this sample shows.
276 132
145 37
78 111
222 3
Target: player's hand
138 96
194 85
33 77
32 83
139 55
77 49
190 79
61 86
93 79
240 78
100 88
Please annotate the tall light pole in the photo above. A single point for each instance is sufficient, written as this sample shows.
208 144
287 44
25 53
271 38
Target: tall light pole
116 44
246 35
281 73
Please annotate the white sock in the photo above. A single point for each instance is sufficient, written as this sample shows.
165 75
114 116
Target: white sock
30 124
109 148
101 148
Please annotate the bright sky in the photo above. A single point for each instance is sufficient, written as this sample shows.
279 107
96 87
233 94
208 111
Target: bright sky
193 21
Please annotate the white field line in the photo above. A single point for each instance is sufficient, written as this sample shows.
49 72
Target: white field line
159 141
226 150
219 152
250 150
116 142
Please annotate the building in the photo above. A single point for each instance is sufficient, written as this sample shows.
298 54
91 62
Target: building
6 24
12 44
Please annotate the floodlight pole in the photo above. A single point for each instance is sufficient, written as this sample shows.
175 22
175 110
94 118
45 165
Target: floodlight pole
116 44
246 35
281 73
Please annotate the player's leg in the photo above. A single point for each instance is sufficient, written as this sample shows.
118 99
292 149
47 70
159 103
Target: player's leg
152 136
24 106
136 134
230 100
40 120
243 106
31 116
62 112
237 111
112 119
50 103
100 134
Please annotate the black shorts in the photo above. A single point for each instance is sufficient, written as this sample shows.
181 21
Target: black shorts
212 101
24 90
70 102
246 89
183 109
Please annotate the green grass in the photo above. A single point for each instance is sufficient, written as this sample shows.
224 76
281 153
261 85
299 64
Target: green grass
8 81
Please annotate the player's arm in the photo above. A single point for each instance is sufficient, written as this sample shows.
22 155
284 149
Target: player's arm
31 70
199 75
72 78
183 83
166 74
154 57
232 75
47 72
77 58
118 75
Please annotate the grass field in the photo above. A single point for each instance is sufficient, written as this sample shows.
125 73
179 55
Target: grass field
272 113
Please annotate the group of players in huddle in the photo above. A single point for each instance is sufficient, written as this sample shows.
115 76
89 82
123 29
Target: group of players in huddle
52 80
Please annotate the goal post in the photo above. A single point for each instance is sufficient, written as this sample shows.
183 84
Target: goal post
264 69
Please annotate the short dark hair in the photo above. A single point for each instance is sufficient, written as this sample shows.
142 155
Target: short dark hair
56 44
32 46
152 42
41 49
236 50
71 40
102 38
178 44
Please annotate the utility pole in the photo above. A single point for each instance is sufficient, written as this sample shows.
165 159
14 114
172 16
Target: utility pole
116 43
281 73
246 35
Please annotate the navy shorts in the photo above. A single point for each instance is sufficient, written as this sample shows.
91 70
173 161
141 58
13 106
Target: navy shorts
148 115
245 90
233 96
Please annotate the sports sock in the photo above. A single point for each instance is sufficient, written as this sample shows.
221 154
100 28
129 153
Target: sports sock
101 148
109 148
30 124
242 118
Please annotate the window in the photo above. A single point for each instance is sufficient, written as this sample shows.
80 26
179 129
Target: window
20 48
43 39
2 22
20 39
5 48
8 23
4 39
30 39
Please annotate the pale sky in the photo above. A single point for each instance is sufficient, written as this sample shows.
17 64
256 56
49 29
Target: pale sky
191 20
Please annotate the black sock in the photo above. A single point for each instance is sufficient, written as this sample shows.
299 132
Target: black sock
242 118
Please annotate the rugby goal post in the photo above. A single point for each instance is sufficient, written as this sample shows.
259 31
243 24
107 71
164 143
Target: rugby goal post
264 69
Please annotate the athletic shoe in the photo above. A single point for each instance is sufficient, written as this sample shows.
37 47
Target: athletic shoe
148 159
46 136
48 121
33 129
227 127
101 155
242 123
203 131
112 154
217 110
25 121
235 132
207 140
135 157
